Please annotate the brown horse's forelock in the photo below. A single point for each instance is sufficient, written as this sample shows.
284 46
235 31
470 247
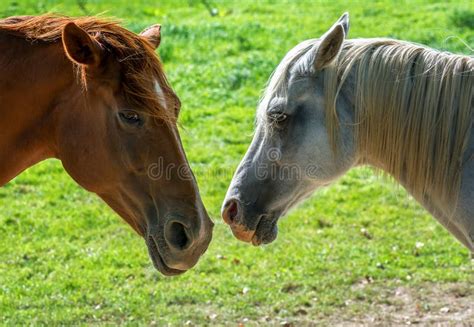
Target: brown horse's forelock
139 64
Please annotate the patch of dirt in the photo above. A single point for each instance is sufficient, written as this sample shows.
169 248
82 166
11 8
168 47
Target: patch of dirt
428 304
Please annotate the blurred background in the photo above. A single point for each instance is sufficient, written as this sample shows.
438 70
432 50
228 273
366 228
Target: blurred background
359 251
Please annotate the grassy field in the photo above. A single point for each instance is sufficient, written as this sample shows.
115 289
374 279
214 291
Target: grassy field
361 250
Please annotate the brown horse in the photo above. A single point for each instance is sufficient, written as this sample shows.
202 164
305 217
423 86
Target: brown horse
94 95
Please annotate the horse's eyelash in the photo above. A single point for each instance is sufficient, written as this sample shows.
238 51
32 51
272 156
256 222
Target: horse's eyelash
276 110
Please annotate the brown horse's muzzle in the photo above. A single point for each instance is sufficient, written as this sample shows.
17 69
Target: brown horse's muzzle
177 246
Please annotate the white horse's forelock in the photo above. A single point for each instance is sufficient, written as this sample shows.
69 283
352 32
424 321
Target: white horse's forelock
278 83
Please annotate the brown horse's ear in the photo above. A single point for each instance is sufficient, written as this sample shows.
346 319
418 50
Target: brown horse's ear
330 46
80 47
153 35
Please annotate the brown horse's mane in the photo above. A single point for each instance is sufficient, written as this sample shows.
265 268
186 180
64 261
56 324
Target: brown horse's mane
139 64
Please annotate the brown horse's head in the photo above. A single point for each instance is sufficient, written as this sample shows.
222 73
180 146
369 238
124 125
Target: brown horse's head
117 137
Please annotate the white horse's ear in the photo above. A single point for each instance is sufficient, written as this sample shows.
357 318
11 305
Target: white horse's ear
344 21
329 47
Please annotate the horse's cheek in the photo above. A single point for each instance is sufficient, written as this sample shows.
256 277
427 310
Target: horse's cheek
83 156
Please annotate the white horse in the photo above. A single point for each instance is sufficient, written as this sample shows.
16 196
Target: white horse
333 104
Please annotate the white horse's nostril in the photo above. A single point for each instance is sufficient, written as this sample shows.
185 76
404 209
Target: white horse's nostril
230 212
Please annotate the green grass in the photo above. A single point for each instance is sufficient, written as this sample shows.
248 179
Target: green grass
65 258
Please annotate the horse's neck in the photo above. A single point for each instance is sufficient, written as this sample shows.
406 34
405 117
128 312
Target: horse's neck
449 211
31 77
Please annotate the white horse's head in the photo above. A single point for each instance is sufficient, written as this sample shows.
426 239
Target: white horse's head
291 154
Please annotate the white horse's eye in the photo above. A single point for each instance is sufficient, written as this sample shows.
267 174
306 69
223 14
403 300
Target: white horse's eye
278 117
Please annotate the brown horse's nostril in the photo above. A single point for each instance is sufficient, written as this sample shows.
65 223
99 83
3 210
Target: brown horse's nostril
176 236
231 211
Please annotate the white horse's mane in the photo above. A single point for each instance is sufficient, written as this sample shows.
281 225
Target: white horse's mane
413 107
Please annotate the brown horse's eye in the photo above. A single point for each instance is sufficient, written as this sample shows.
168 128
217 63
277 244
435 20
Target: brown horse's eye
130 117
